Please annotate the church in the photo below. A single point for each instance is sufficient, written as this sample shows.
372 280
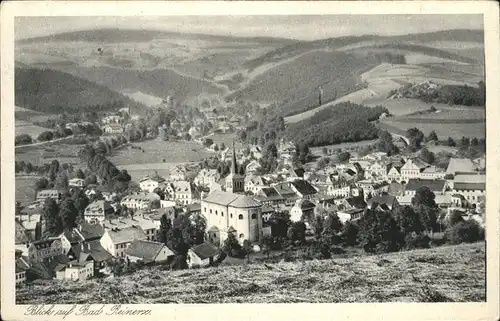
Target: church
230 211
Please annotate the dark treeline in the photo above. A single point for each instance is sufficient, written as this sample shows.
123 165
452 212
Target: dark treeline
345 122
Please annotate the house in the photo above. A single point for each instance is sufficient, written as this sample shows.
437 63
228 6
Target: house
84 232
254 183
350 214
20 274
286 148
287 193
96 253
149 184
40 250
303 189
139 200
202 255
113 129
110 119
383 203
76 182
97 211
374 188
303 210
436 186
350 203
183 192
252 167
116 240
432 172
394 173
412 168
149 252
377 170
193 209
177 174
339 188
54 194
459 165
270 196
206 177
472 192
76 270
147 225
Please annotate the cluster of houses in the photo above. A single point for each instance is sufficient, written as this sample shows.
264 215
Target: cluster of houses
241 204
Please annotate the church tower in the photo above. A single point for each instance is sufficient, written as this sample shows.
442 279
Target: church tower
235 182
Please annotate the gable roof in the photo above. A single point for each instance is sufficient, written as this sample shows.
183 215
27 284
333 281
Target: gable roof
127 234
94 249
304 187
204 250
434 185
469 186
284 189
271 194
305 204
385 201
356 202
459 165
147 250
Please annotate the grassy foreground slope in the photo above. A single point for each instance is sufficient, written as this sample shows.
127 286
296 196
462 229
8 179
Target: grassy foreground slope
444 274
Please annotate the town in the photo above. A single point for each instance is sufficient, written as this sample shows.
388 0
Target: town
241 205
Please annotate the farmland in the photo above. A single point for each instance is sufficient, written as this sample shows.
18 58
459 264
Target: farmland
42 154
24 127
454 130
25 192
457 274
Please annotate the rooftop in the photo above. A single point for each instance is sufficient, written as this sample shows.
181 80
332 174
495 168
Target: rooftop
469 186
436 185
205 250
230 199
147 250
460 165
127 234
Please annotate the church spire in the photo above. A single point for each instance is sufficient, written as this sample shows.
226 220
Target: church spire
233 165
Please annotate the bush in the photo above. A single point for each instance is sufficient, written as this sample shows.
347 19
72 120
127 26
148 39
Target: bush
465 232
23 139
420 241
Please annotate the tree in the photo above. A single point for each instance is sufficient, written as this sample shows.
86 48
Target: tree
231 246
425 205
465 232
386 144
433 136
91 179
68 213
318 226
297 232
343 157
23 139
455 218
451 142
325 151
350 233
45 136
62 182
424 196
165 226
50 213
408 220
41 184
379 232
80 201
427 156
416 137
79 174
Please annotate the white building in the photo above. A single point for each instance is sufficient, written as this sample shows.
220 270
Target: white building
116 240
113 129
97 211
76 270
202 255
206 177
76 182
40 250
139 200
183 192
149 184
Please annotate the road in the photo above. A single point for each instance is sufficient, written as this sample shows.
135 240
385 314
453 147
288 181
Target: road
46 142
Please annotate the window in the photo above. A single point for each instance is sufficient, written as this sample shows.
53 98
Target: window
240 216
210 211
254 216
231 215
205 209
216 213
222 213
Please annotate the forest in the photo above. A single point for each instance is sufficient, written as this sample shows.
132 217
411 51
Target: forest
344 122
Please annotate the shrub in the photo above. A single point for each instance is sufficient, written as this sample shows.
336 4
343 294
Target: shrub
417 241
465 232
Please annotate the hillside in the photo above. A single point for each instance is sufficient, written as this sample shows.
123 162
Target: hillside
459 35
115 35
52 91
396 277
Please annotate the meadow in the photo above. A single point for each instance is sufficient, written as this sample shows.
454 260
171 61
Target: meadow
457 274
442 129
25 191
42 154
24 127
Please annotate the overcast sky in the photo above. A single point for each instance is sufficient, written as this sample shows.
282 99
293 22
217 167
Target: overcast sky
295 27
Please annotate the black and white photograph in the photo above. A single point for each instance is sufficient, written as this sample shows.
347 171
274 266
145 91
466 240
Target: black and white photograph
326 158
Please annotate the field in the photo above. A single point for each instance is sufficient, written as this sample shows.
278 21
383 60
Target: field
443 130
25 192
443 274
318 151
39 155
157 151
24 127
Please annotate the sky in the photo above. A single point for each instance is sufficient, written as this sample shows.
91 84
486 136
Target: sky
294 27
